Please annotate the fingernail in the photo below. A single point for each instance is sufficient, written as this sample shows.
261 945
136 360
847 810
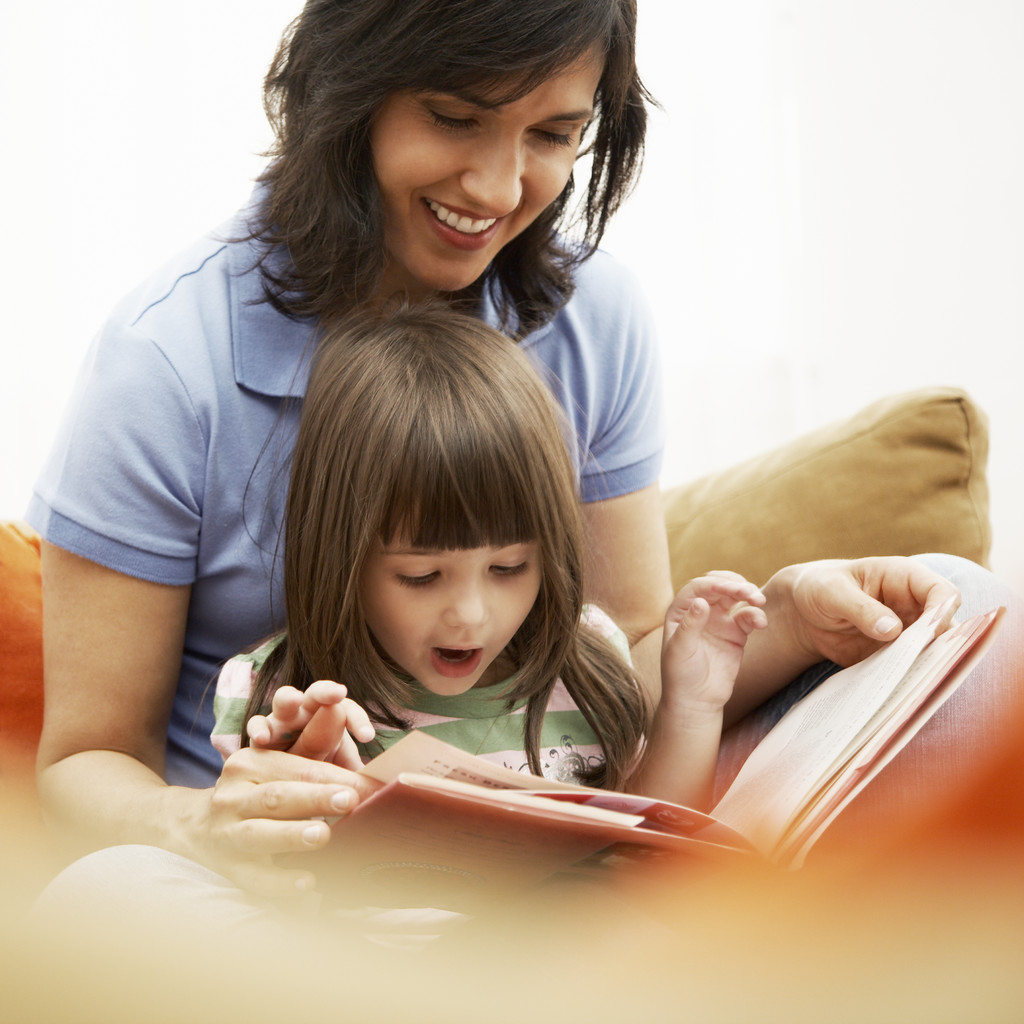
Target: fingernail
886 624
311 835
341 801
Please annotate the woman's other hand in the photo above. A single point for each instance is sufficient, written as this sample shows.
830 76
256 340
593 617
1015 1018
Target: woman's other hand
270 802
843 610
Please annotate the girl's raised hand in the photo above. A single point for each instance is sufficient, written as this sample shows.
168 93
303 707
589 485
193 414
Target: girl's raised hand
320 723
706 629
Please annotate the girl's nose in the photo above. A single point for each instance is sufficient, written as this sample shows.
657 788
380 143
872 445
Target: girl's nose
465 608
494 176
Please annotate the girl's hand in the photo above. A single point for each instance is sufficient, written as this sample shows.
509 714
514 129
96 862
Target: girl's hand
844 610
706 629
320 723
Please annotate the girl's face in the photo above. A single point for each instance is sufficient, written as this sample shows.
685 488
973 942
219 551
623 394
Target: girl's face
460 178
443 617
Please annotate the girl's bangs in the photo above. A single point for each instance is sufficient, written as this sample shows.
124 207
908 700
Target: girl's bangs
453 503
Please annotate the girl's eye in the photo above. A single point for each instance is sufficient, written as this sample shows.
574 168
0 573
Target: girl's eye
415 581
510 570
451 124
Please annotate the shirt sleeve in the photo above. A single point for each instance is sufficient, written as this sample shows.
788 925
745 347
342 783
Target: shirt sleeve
601 623
234 685
124 482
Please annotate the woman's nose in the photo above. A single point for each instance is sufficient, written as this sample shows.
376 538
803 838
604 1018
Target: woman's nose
494 177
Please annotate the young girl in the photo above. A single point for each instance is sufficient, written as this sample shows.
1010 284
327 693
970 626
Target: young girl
433 561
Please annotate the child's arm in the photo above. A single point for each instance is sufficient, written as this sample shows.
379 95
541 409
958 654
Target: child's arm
321 723
706 628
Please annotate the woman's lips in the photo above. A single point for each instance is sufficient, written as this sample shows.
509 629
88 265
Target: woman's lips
455 663
479 234
460 222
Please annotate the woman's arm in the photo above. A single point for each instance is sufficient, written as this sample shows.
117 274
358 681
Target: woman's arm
112 647
628 574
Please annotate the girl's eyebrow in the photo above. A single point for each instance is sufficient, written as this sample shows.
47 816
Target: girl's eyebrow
431 552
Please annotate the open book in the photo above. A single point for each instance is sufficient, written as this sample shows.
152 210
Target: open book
448 828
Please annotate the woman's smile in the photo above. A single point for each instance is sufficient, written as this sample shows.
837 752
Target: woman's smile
460 222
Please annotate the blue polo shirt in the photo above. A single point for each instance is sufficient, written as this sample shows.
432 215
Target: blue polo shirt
171 463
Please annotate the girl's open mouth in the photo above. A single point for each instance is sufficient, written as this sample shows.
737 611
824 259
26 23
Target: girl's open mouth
454 662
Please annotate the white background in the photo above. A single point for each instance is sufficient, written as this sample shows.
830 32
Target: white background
832 208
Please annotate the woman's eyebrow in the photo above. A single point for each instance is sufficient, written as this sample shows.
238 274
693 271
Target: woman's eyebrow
477 100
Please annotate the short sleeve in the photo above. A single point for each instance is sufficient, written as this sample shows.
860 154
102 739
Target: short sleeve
124 482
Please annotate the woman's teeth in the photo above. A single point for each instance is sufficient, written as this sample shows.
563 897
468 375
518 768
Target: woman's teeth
466 225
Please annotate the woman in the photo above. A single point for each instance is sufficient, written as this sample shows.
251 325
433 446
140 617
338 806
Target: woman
422 148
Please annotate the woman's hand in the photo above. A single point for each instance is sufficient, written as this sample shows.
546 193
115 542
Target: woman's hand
839 610
321 723
269 802
845 610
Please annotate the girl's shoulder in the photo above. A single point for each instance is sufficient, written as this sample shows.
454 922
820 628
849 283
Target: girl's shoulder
256 657
601 622
231 697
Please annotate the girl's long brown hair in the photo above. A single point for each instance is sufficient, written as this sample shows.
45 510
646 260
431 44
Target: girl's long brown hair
429 425
341 59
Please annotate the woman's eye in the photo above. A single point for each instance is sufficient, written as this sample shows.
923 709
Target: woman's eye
451 124
557 140
416 581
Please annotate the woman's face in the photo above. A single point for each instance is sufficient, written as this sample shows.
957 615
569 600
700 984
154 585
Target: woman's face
461 178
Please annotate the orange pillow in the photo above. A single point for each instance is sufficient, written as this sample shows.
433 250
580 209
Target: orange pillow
21 651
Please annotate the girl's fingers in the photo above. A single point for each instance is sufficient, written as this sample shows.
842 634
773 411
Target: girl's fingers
722 584
323 692
358 721
749 618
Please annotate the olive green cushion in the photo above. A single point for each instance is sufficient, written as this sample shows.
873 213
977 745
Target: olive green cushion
904 476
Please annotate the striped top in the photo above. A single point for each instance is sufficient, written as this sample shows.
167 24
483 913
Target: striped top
478 721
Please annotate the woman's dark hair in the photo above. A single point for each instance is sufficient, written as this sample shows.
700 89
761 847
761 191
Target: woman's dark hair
339 61
429 426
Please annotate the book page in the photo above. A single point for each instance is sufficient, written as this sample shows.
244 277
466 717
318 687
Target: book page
423 754
418 758
821 732
971 641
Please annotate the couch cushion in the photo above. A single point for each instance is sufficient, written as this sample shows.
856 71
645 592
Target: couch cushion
903 476
21 650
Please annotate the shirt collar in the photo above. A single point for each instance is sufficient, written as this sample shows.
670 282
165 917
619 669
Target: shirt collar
271 351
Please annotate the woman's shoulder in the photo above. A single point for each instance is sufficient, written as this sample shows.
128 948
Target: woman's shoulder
607 305
206 315
199 273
